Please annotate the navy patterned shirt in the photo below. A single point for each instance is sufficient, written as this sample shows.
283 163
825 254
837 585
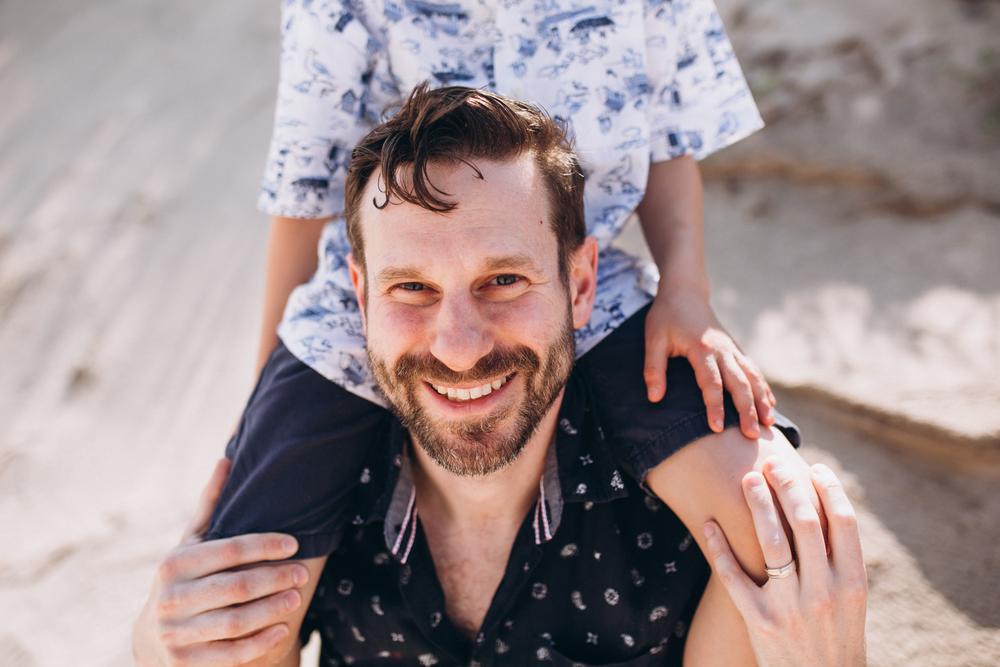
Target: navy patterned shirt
600 573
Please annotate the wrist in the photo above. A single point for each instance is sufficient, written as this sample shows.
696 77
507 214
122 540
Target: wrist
673 284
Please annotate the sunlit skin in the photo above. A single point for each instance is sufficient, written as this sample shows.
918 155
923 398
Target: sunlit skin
499 291
458 287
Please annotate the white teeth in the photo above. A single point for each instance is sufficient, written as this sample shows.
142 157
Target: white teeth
456 394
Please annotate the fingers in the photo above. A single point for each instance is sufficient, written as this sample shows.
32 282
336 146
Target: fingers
739 586
842 522
706 372
206 503
766 521
205 558
654 370
801 515
232 622
236 652
762 395
189 598
736 382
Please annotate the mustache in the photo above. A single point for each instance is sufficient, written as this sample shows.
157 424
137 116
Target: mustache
497 362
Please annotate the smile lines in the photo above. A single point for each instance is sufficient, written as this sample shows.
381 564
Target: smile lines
468 394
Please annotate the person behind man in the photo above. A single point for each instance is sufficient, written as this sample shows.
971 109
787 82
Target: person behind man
496 530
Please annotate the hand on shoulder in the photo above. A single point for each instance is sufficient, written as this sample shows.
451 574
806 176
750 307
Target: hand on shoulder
811 610
224 602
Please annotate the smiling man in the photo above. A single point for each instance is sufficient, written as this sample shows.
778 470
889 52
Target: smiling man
491 525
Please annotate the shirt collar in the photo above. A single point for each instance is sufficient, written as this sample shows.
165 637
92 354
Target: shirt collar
578 469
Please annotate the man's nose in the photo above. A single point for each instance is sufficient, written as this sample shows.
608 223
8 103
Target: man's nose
462 336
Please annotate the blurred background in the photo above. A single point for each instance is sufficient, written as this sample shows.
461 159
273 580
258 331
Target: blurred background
854 247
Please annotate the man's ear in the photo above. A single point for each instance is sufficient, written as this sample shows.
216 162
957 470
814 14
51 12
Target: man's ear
358 280
583 281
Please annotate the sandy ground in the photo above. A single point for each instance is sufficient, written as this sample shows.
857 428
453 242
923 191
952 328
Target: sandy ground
852 244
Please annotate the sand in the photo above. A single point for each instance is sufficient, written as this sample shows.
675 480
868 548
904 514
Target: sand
852 247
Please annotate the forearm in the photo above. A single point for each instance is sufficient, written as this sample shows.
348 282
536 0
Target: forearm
717 636
671 215
291 260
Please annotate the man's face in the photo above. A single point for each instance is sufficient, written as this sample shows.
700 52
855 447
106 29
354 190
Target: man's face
469 325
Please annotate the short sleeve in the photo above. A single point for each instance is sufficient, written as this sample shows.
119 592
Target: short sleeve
323 107
700 100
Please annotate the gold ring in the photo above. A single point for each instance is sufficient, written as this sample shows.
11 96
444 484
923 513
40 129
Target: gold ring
781 572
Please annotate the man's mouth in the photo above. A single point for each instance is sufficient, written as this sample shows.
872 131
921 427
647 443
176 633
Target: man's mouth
462 394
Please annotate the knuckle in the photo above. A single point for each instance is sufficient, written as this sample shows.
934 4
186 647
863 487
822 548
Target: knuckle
169 568
855 590
806 523
832 483
233 625
167 603
787 483
242 586
726 574
820 603
177 658
704 350
742 383
168 636
233 551
844 517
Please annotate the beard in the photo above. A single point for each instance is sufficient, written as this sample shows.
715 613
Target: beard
484 445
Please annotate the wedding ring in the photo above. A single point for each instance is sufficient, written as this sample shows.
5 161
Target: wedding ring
781 572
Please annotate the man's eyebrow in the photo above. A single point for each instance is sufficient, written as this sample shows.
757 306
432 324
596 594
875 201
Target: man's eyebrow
394 273
519 262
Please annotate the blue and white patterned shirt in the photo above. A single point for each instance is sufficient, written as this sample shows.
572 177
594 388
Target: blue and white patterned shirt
637 81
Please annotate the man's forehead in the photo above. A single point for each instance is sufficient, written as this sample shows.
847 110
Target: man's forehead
499 222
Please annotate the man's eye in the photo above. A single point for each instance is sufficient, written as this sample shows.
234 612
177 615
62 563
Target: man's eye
505 279
411 287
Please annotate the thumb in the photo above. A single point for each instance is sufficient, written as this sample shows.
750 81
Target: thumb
740 587
206 503
654 368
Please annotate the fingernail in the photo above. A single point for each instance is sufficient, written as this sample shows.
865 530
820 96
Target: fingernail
289 545
300 576
754 481
709 530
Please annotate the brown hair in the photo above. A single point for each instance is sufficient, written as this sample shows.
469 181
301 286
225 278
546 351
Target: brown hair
460 124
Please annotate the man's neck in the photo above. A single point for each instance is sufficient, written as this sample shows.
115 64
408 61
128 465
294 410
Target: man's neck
501 498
